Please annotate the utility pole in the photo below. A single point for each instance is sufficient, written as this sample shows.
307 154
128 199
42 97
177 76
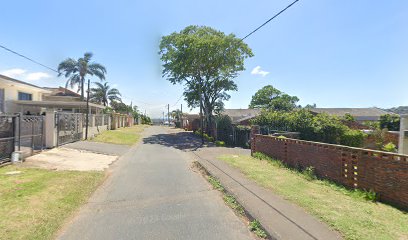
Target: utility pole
201 117
87 112
163 118
181 117
168 114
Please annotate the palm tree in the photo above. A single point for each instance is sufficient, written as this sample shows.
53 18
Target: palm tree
77 70
102 93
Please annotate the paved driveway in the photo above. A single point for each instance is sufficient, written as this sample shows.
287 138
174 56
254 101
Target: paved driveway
154 194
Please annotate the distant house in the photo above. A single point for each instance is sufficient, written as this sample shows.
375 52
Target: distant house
241 116
360 114
21 97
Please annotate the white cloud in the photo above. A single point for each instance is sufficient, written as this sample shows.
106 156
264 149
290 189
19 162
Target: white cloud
257 71
14 72
36 76
22 74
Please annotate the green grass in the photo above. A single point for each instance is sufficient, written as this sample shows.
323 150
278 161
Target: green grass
255 226
350 212
36 203
232 203
124 136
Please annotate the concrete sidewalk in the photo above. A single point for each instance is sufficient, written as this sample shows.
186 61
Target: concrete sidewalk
282 219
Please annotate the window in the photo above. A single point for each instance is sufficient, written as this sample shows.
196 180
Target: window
25 96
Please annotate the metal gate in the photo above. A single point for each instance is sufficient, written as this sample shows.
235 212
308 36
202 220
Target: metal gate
7 136
31 134
69 127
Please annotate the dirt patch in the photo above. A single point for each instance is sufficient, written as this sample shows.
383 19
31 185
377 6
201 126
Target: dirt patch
70 159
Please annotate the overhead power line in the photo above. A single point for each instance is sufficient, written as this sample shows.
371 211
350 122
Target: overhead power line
270 19
29 59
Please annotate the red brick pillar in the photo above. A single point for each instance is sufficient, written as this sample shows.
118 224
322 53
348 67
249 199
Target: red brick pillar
255 129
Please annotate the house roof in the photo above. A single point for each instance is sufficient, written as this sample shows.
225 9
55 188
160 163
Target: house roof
61 91
58 104
238 115
362 114
20 82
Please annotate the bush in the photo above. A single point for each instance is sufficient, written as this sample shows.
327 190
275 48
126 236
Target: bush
353 138
220 143
390 147
224 128
309 173
318 128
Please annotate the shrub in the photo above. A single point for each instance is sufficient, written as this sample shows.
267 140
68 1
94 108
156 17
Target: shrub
224 128
220 143
319 127
390 147
309 173
353 138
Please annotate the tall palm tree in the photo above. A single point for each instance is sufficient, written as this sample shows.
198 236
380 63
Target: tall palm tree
77 70
102 93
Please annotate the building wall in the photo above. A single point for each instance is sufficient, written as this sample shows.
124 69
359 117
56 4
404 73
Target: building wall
384 173
11 94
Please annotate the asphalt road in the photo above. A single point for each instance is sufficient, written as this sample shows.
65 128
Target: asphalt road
154 193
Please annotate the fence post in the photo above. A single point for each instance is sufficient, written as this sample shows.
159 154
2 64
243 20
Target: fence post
50 129
255 129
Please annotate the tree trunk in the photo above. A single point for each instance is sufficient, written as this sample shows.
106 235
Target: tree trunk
82 88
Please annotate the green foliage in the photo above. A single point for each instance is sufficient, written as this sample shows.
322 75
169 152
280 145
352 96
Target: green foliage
205 61
233 203
255 227
371 195
224 128
348 117
390 147
390 122
319 127
220 143
215 183
103 93
353 138
309 173
372 125
271 98
77 70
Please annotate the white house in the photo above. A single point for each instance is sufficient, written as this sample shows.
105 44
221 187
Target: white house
13 90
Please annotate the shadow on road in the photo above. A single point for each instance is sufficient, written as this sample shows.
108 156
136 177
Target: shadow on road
186 141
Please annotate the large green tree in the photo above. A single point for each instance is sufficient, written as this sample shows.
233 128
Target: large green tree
104 94
271 98
77 70
205 61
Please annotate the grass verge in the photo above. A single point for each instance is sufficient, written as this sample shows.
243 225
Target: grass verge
229 199
124 136
37 202
352 213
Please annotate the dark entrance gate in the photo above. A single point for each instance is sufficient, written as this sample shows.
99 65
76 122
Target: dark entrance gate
69 127
31 135
7 136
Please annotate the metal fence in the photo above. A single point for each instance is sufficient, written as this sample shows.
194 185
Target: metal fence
7 136
69 127
31 134
23 133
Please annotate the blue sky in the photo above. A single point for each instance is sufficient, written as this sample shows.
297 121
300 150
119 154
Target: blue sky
332 53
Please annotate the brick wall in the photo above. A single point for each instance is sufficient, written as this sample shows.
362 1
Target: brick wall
384 173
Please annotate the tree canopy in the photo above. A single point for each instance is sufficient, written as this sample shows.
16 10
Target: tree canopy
104 94
205 61
271 98
77 70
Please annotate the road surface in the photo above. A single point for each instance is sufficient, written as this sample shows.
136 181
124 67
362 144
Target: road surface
154 193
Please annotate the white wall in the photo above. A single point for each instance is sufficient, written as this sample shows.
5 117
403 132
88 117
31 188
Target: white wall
11 90
403 140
